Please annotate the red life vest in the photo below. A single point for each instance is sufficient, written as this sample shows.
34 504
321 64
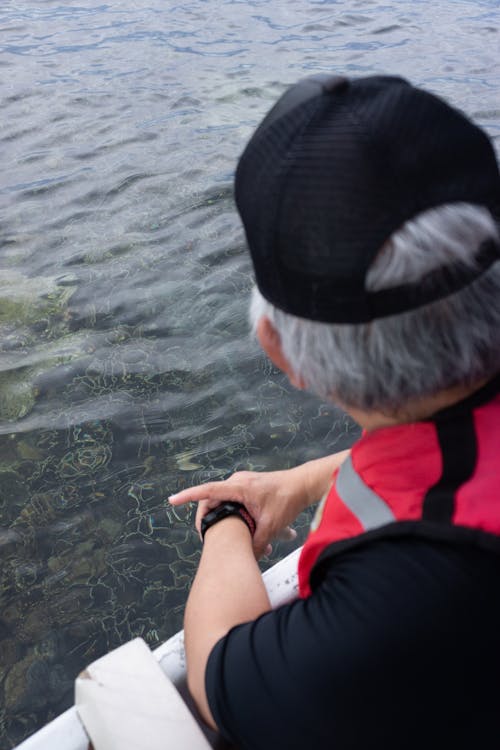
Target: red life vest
439 479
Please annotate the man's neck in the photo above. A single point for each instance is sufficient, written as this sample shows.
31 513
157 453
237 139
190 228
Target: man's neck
413 411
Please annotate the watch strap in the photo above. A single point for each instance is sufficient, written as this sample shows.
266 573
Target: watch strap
224 510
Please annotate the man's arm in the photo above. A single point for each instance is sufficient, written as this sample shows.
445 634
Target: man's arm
273 498
227 590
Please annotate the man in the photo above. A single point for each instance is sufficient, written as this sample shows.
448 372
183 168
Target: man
369 208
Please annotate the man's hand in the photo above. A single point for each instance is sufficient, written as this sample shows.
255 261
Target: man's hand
274 498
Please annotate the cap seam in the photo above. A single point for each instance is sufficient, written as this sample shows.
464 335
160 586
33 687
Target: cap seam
362 121
282 178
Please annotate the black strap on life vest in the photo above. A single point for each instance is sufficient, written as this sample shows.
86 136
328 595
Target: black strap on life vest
458 444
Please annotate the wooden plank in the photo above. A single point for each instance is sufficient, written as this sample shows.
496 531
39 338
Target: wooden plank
125 701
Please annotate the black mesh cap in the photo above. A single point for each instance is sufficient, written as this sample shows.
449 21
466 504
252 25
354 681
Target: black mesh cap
333 170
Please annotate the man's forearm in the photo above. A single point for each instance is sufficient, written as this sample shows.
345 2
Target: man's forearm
227 590
315 476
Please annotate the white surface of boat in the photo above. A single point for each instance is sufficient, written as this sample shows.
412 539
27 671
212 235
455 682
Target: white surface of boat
68 732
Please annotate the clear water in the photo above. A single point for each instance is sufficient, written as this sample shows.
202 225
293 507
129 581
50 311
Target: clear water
126 370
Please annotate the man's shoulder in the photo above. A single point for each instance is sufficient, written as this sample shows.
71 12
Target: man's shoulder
407 580
428 563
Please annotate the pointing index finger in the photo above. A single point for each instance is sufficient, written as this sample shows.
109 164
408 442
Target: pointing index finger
209 491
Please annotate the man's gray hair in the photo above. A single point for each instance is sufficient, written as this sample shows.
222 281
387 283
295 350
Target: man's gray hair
383 364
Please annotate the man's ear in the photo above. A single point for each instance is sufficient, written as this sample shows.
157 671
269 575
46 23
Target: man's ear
270 341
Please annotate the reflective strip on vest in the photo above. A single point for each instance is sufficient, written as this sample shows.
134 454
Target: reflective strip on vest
368 507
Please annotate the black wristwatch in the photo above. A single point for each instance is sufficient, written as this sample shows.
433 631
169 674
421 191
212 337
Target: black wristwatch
228 508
